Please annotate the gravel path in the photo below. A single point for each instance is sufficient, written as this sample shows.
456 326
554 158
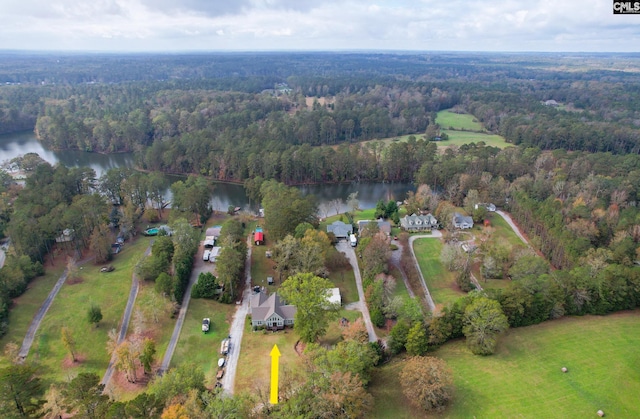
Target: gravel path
435 234
237 327
515 228
346 248
126 317
199 266
37 319
396 255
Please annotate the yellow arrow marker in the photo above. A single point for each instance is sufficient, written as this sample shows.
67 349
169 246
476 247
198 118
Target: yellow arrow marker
275 360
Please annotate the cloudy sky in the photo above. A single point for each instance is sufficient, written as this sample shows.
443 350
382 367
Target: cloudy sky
257 25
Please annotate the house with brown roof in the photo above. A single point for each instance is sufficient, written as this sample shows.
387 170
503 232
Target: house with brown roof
270 312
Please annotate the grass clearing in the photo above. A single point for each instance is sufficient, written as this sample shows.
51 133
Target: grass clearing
459 121
26 306
200 348
109 291
254 365
523 378
440 281
346 281
459 138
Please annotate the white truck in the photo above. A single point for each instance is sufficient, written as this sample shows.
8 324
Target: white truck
353 240
224 346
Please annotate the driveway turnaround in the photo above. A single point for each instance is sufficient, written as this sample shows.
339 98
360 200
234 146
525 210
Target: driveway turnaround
346 248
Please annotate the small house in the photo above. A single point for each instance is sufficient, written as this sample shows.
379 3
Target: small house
66 236
340 229
461 221
271 312
334 297
488 206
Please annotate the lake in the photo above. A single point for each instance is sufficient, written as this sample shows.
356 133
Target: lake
224 194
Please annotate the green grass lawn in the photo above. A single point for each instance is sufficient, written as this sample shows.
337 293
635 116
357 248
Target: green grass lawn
523 378
107 290
26 306
440 281
200 348
346 281
254 365
466 137
502 232
447 119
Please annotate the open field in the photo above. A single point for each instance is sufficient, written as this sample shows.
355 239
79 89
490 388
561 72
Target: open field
466 137
346 281
26 306
254 365
523 379
460 121
440 281
109 291
200 348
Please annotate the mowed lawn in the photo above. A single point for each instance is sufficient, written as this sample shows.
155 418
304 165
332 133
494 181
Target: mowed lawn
439 280
464 121
110 292
200 348
466 137
26 306
254 365
523 378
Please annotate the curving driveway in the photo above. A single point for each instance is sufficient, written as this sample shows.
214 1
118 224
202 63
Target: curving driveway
346 248
126 317
237 327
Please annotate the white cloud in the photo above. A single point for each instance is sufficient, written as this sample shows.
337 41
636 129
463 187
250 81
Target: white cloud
572 25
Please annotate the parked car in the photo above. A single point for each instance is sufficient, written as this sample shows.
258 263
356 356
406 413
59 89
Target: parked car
221 362
220 374
206 323
205 255
224 346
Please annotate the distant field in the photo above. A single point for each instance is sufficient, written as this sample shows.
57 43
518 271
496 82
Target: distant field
447 119
466 137
523 379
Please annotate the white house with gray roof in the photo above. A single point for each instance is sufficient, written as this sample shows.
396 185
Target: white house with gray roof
270 312
415 222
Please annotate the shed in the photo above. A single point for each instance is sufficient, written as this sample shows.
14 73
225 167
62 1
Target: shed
259 238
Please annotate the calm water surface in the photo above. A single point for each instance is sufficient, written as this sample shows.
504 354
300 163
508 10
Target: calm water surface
224 195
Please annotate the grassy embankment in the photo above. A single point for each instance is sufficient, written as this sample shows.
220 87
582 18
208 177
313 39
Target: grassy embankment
523 377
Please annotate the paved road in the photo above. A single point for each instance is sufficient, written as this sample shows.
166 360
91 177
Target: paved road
37 319
346 248
199 266
126 317
515 228
396 256
237 327
435 234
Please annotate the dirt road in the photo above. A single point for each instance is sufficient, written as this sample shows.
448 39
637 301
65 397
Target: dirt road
346 248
